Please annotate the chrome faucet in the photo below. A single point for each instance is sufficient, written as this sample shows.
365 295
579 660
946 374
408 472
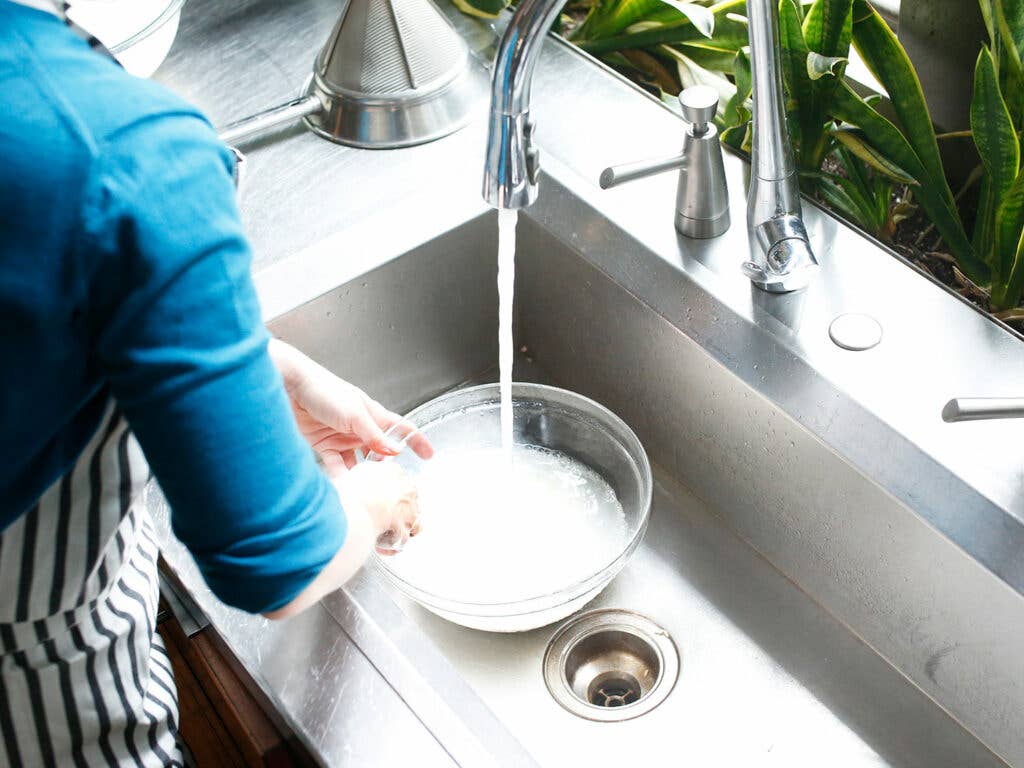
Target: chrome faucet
513 164
781 260
781 256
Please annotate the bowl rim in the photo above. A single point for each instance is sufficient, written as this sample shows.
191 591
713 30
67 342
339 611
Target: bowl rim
170 10
570 592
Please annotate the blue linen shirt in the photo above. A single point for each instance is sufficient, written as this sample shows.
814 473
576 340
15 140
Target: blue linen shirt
124 272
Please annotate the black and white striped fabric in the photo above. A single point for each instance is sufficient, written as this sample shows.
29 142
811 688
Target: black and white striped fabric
84 677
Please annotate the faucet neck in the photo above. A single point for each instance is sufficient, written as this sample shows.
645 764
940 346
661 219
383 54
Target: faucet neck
781 256
772 155
518 53
512 166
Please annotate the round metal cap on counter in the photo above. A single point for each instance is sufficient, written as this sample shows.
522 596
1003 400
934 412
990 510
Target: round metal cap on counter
855 332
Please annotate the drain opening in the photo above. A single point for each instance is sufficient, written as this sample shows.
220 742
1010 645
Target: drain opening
614 689
610 665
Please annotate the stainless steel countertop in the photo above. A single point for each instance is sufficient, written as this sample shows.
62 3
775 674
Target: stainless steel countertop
320 214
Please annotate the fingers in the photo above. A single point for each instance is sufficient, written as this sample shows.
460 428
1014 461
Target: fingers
372 436
410 527
408 432
334 463
420 444
340 443
350 459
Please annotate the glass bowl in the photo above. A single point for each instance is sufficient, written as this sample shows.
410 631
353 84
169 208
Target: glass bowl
548 418
139 33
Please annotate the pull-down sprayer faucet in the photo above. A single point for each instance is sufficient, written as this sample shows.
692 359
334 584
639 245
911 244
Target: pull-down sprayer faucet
781 259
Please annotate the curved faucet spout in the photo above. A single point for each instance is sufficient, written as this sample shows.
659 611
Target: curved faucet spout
513 163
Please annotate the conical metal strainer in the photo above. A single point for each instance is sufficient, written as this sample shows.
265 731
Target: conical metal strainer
393 73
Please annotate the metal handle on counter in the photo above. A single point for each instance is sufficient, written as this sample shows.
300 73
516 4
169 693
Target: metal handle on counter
620 174
983 408
269 119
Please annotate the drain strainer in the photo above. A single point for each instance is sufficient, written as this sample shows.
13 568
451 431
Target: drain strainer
610 665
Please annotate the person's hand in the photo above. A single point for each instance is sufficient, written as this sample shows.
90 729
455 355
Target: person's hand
387 493
377 496
338 418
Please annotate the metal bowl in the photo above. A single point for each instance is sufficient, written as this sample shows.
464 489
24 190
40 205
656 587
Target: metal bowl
550 418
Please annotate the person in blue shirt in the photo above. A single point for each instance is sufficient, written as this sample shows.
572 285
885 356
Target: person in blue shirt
131 337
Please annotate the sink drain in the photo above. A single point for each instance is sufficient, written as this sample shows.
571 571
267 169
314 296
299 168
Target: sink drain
614 689
610 665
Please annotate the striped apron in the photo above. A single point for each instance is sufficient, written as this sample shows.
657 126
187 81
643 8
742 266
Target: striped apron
84 678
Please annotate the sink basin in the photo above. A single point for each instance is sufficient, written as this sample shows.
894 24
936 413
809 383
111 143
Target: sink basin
794 647
839 574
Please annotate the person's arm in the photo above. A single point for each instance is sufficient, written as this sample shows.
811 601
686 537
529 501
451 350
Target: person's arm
178 336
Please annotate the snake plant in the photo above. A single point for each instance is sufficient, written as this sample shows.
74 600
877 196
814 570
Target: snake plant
997 113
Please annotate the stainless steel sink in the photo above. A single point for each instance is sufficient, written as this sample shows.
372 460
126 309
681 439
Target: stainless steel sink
842 572
772 672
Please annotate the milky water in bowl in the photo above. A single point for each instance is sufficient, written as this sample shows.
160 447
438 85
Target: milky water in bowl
495 532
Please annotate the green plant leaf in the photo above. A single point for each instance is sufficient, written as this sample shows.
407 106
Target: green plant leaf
828 27
800 10
903 211
1008 237
729 34
854 140
819 66
992 127
933 193
717 59
794 54
738 137
988 15
608 18
744 84
811 75
832 193
1007 294
998 147
485 9
1010 23
872 192
855 168
860 195
805 120
691 73
889 63
702 18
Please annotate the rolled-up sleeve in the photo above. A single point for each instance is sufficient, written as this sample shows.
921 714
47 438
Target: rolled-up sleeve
178 336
